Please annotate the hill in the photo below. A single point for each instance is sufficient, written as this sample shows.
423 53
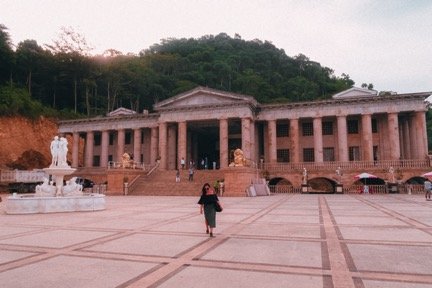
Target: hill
25 143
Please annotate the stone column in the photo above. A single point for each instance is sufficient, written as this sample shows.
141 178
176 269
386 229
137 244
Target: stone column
272 141
406 140
89 149
318 139
223 143
120 144
182 143
342 138
422 143
413 138
253 145
137 145
367 143
393 132
246 138
104 148
75 149
172 147
154 151
146 132
163 146
294 140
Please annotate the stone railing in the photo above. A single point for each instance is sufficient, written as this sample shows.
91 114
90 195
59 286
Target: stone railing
129 165
354 189
22 176
346 166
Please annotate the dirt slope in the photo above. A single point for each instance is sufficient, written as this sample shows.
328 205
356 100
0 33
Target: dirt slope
19 135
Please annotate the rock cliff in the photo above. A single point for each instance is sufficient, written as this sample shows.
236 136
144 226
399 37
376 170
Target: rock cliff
24 143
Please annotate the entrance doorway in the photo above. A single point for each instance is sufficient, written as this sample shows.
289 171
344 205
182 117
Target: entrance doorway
204 144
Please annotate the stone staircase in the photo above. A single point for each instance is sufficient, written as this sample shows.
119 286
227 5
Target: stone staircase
162 183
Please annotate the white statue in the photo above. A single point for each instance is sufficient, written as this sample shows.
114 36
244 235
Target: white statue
305 175
45 189
62 152
72 188
392 176
55 146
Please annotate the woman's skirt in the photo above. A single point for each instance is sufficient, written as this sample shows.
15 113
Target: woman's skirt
210 214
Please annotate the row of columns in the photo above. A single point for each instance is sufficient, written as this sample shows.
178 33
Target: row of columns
413 138
412 130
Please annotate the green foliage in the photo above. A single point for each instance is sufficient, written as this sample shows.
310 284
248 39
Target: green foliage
65 78
16 101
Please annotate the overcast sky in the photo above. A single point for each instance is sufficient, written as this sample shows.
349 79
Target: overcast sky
384 42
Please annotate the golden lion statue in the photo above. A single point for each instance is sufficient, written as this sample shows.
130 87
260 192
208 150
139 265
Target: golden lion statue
126 160
239 159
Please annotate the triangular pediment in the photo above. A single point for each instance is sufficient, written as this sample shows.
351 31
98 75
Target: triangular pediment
202 96
355 92
121 111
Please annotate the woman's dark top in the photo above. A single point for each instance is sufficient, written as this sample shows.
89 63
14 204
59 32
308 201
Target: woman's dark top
209 208
208 199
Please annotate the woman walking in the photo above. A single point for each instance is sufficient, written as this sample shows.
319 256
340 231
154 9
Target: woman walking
207 203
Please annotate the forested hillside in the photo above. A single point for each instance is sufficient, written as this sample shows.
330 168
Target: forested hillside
64 77
62 80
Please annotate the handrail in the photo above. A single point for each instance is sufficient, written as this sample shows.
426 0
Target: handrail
153 169
132 184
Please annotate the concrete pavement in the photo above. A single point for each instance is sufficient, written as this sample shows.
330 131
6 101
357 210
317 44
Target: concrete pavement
289 240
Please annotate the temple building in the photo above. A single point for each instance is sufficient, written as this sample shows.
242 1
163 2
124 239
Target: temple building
355 128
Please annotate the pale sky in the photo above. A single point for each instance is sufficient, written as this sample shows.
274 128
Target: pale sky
384 42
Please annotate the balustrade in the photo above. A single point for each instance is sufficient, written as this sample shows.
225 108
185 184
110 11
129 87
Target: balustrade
129 165
345 166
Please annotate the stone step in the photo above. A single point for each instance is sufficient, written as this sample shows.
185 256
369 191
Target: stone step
163 183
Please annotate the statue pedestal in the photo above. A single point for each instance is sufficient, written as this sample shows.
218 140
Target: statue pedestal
339 189
304 188
58 174
392 188
237 180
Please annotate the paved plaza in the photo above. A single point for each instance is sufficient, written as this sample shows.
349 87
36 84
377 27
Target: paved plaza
289 240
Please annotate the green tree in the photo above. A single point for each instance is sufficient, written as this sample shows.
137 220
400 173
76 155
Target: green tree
28 58
6 55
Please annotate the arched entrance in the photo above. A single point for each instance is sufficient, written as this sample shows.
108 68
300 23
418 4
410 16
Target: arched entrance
281 185
321 185
368 186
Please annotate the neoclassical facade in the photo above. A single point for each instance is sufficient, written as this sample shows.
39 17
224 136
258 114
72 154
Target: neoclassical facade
355 125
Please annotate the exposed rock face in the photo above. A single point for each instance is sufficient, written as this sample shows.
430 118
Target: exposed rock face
24 143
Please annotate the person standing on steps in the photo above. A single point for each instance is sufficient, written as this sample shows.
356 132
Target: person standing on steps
207 204
177 176
191 173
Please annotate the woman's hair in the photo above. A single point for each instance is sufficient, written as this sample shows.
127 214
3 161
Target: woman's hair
204 190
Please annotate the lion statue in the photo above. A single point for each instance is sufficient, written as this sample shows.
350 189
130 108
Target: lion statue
126 160
45 189
72 188
239 159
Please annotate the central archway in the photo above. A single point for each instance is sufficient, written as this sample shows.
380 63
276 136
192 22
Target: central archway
280 185
321 185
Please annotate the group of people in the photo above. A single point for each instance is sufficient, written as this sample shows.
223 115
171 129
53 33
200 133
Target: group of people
203 164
